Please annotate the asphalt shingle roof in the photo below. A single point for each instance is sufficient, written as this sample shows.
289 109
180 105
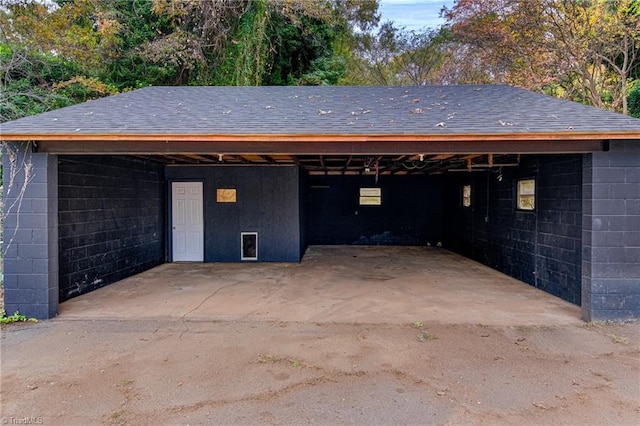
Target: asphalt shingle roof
339 110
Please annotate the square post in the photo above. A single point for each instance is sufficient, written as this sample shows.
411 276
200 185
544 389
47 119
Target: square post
30 231
611 233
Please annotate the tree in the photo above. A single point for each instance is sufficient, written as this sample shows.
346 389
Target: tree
57 52
257 42
423 55
634 100
395 56
44 45
80 30
372 55
583 50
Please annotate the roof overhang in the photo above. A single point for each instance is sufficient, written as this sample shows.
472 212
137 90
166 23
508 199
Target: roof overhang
299 144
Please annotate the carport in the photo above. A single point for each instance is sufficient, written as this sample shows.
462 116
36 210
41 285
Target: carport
541 189
332 284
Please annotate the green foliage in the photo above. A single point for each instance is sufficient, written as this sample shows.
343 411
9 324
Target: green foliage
60 52
82 89
324 71
50 55
271 47
16 317
634 8
295 363
589 49
634 100
248 50
133 66
298 48
27 79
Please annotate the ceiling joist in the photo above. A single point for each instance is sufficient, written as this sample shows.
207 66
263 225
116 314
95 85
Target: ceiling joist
385 165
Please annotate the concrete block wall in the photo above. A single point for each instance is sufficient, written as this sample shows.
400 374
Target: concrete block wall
540 247
410 212
559 226
111 220
30 232
611 233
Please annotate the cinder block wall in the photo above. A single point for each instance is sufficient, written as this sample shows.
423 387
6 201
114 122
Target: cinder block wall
30 233
111 220
540 247
611 254
410 212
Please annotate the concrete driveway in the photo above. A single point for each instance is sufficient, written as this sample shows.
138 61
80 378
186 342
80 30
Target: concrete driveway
332 284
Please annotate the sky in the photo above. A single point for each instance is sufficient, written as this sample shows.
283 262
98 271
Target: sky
413 14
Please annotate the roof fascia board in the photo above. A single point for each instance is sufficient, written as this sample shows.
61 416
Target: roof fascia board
383 147
302 138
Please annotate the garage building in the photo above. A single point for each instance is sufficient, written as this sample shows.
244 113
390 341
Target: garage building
544 190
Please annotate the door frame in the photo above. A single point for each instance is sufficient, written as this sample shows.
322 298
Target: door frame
169 224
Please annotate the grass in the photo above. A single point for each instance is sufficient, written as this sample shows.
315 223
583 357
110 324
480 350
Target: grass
619 339
118 417
272 359
268 359
594 324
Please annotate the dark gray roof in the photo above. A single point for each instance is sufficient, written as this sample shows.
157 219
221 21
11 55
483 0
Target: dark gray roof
415 110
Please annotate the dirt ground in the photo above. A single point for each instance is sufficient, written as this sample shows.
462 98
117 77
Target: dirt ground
151 372
362 336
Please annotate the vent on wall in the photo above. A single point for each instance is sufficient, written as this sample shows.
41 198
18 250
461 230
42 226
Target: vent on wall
249 245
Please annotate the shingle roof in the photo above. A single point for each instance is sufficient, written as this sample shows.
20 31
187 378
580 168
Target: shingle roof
417 110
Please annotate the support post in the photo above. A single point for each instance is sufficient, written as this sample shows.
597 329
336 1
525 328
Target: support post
30 231
611 233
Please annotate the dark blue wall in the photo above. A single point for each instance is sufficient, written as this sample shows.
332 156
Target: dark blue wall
30 231
541 247
611 234
268 202
410 214
303 203
111 220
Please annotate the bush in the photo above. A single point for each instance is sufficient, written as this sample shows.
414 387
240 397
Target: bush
634 100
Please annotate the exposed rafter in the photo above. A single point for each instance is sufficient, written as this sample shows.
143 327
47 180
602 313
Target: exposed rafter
350 165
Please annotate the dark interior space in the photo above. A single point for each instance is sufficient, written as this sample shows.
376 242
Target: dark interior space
409 212
110 220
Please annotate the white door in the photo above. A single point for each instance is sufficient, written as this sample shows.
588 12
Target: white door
187 229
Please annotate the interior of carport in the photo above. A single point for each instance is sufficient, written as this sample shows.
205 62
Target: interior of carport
114 209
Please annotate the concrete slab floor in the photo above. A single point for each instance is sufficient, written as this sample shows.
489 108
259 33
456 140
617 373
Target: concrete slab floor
332 284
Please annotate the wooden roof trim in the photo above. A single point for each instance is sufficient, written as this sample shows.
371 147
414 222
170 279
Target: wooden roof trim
343 138
321 148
